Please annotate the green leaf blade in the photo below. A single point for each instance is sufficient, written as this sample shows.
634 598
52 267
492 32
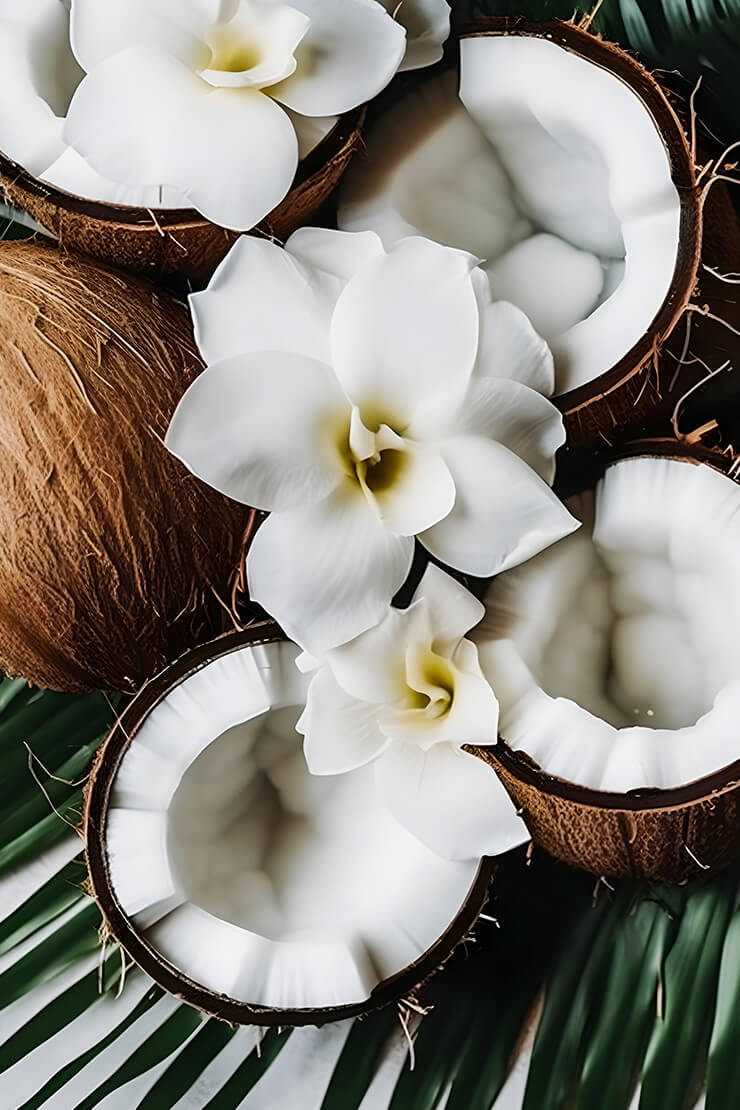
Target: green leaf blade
250 1071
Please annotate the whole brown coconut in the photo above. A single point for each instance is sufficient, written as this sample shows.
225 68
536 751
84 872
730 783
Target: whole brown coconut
111 554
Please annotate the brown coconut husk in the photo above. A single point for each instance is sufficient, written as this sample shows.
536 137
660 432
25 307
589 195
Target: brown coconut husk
112 556
177 241
612 405
118 925
669 836
703 394
666 836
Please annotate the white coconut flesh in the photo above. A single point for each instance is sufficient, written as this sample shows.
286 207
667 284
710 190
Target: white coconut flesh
552 171
252 877
614 654
46 91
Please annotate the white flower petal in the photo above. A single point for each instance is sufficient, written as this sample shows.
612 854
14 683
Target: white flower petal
38 74
327 572
256 288
406 328
475 710
452 610
427 24
509 347
371 667
351 51
311 130
73 174
341 733
504 513
261 428
259 285
101 28
450 800
515 415
339 253
232 152
411 486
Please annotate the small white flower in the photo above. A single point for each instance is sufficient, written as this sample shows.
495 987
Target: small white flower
207 103
407 695
366 398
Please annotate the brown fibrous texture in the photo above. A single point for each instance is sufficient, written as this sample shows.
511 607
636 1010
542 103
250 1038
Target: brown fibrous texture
112 556
166 242
665 843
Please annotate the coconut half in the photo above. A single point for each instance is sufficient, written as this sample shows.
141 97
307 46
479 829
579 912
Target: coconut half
616 662
143 228
172 240
240 882
557 159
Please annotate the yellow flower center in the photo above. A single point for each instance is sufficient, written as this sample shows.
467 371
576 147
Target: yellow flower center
231 52
382 471
430 679
374 456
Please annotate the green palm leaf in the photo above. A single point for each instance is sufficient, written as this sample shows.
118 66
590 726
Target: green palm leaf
56 1016
622 1022
70 1070
360 1056
605 965
675 1061
723 1077
170 1036
248 1074
76 938
57 895
642 986
186 1068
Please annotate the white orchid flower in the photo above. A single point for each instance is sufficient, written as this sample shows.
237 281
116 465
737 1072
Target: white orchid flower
208 103
407 695
366 398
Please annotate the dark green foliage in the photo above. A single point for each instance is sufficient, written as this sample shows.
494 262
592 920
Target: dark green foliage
639 984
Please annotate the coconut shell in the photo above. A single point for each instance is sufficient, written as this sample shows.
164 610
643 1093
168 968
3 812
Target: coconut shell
111 553
666 836
704 402
177 241
172 979
620 399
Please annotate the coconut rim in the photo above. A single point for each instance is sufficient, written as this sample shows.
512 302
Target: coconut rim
640 81
166 974
343 136
523 767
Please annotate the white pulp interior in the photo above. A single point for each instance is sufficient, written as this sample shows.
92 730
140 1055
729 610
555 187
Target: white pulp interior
614 654
550 170
254 878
